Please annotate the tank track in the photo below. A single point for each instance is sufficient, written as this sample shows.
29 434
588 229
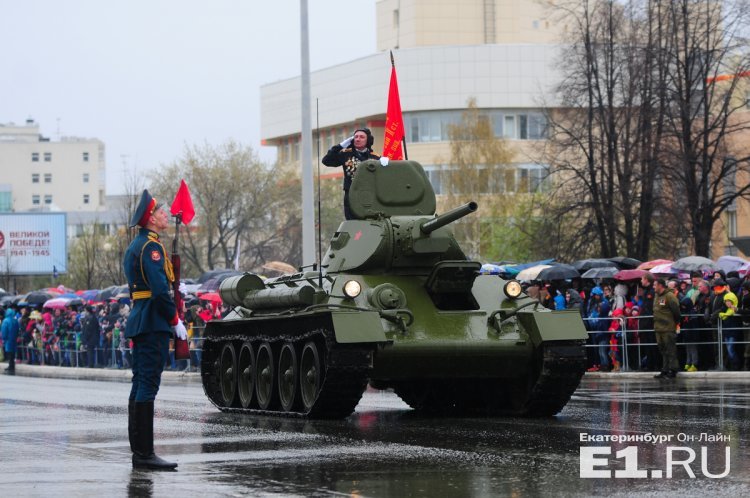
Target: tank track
346 367
556 369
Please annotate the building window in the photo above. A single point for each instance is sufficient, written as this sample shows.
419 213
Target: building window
85 198
47 157
509 126
35 200
85 178
48 178
85 157
35 178
48 199
35 157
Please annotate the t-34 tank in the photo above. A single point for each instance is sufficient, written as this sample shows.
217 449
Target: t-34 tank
397 304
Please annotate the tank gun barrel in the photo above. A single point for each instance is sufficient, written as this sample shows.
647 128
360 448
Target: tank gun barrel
448 217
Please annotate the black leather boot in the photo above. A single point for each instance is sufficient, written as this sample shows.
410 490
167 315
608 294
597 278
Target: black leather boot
131 425
143 456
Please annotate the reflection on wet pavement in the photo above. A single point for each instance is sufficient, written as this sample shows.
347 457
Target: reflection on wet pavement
70 437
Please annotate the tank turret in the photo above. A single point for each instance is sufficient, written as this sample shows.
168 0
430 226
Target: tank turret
395 226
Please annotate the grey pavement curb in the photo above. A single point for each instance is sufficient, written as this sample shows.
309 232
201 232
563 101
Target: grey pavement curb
119 375
124 375
680 375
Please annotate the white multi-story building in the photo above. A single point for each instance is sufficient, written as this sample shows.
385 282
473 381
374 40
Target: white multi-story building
38 174
499 52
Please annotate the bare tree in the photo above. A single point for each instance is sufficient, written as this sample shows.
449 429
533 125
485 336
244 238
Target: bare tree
84 260
643 146
706 39
241 205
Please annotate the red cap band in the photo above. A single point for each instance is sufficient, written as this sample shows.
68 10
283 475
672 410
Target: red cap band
149 211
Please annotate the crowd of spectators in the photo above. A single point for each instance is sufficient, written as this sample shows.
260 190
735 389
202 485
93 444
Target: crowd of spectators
715 320
619 315
93 335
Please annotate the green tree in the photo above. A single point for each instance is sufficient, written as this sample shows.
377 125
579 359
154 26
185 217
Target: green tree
480 168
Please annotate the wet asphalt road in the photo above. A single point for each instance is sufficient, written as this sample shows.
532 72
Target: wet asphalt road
68 437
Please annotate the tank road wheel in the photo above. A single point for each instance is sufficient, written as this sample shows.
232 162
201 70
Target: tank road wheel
265 378
288 377
310 375
246 374
228 374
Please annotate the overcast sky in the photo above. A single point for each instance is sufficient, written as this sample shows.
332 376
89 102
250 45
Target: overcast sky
148 76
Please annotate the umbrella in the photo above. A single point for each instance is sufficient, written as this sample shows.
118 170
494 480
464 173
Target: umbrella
730 263
56 303
88 295
213 297
625 263
279 266
107 293
654 262
490 269
558 272
626 275
37 297
663 269
212 284
516 269
215 273
694 263
7 300
76 301
587 264
601 272
532 273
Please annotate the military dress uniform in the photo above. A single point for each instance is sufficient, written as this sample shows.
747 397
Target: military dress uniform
150 325
349 159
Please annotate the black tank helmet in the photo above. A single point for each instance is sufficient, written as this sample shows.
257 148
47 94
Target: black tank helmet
370 138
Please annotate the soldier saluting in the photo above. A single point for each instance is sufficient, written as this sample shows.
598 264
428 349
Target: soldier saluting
151 323
348 154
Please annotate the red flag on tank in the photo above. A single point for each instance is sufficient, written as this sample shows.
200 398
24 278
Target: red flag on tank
183 203
394 121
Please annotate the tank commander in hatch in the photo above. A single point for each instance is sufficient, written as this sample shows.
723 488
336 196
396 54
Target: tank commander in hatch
348 154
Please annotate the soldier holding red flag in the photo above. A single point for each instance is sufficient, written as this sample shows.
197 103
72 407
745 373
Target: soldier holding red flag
151 323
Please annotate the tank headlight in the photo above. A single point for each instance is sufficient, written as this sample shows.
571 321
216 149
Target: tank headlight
512 289
352 289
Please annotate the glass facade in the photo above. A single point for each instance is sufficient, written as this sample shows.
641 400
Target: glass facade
509 179
432 126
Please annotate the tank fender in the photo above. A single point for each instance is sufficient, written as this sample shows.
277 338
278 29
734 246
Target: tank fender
357 326
553 325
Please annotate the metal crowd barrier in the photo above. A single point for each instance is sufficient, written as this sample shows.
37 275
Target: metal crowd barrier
76 357
719 343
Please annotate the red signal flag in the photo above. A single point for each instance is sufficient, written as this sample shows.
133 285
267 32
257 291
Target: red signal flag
183 203
394 120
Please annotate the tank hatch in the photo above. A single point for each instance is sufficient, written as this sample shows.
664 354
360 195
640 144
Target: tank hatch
399 189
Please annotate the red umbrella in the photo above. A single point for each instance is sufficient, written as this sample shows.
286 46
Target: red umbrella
58 303
654 262
625 275
212 297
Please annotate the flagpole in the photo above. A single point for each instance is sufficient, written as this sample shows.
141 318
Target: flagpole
403 138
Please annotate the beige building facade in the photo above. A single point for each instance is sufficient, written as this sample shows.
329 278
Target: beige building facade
496 52
39 174
499 52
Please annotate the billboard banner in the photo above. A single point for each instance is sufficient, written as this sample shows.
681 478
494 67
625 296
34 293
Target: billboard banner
33 243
